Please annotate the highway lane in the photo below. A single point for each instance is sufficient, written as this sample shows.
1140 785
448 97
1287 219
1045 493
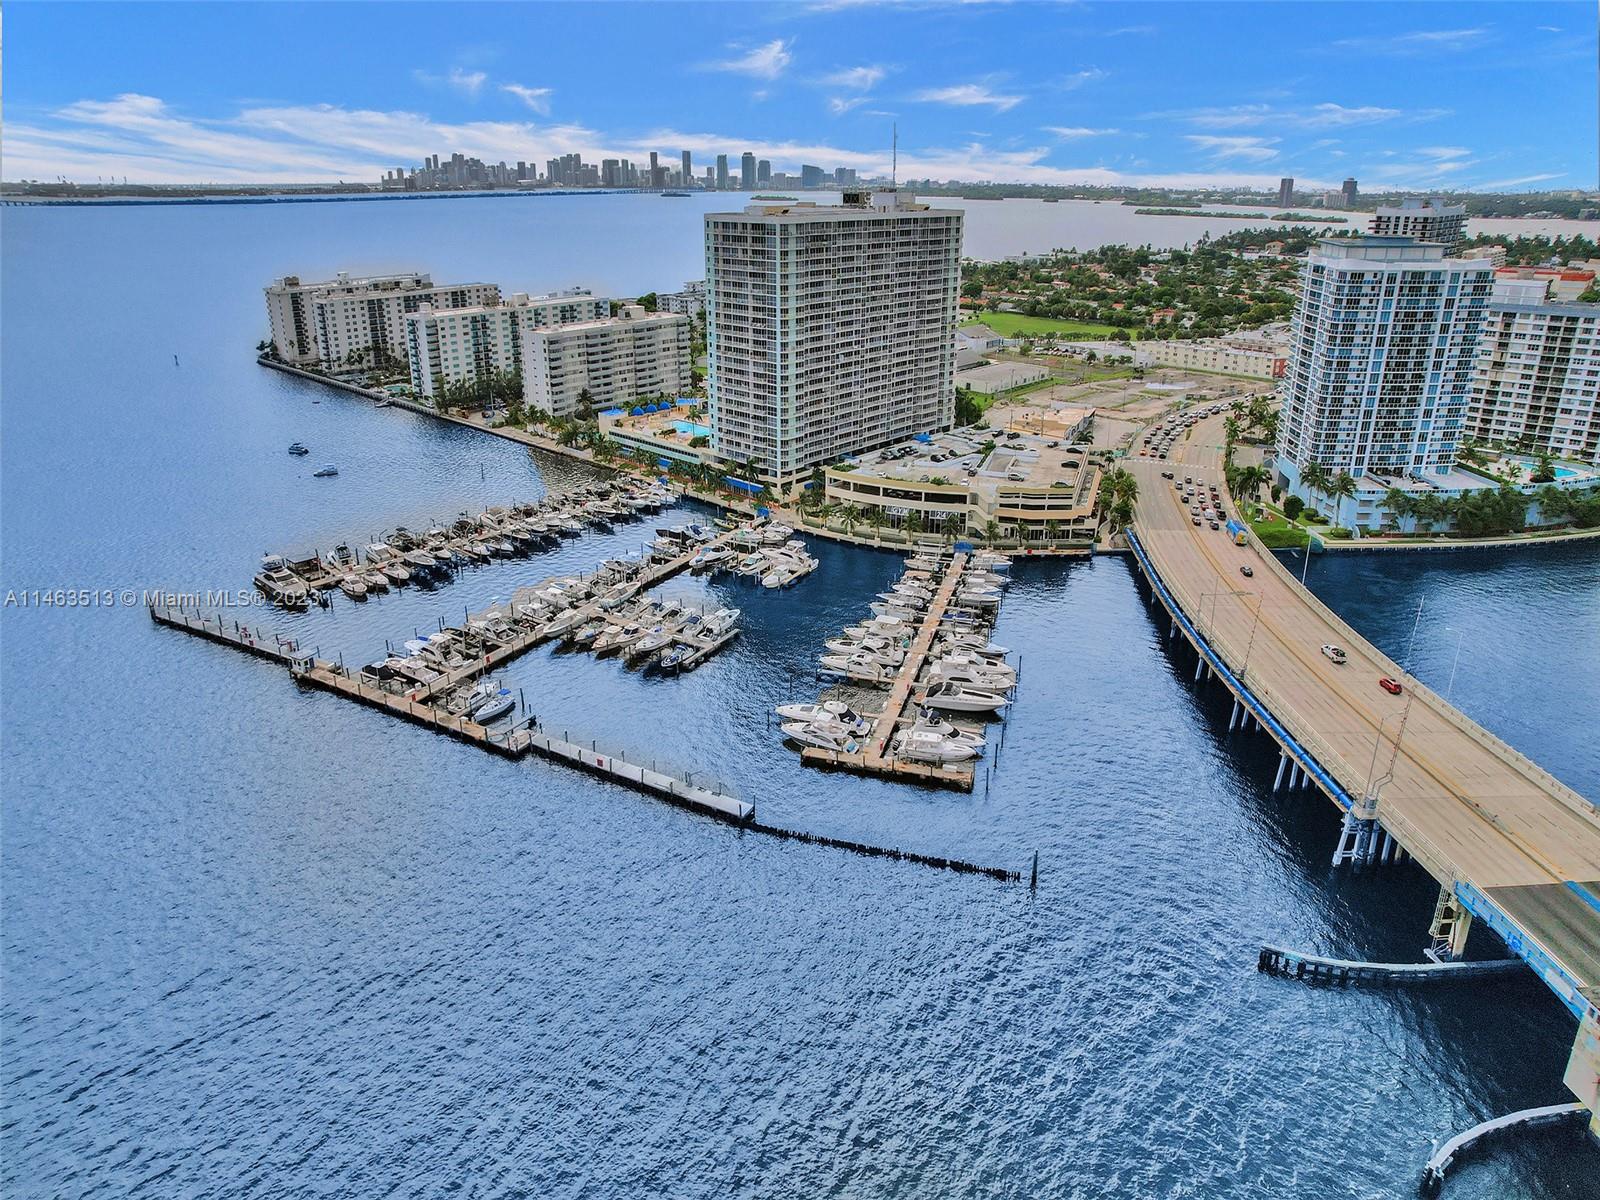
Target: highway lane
1464 804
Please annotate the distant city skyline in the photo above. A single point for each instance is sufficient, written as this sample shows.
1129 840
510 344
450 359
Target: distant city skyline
1402 96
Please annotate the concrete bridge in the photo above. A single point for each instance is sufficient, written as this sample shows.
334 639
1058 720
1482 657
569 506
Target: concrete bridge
1510 845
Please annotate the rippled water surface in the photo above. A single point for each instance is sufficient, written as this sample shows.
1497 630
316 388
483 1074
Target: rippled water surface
260 941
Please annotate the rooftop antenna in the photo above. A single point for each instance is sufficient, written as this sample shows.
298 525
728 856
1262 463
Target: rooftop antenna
894 155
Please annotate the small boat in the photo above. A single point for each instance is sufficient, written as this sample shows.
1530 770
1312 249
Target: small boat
375 581
651 642
299 451
923 745
586 633
857 667
420 560
720 622
826 735
463 703
352 586
279 584
672 659
829 710
927 720
496 707
326 472
395 573
959 697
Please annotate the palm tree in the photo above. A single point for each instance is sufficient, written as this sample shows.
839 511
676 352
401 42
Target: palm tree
1248 481
848 517
991 531
1316 478
1341 487
1399 504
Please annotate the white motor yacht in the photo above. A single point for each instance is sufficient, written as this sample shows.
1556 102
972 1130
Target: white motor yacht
925 746
836 711
960 697
720 622
979 676
857 667
352 586
824 734
279 584
929 721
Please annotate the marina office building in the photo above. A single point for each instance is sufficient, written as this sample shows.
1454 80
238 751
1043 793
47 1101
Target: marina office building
830 328
337 321
617 360
1380 365
460 345
1537 385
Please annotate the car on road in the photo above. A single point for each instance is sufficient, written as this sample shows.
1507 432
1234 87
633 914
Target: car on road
1214 525
1246 570
1392 686
1334 655
1197 520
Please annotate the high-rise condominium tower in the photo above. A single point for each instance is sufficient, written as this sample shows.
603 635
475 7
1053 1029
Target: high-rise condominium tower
830 329
1380 358
747 172
1425 220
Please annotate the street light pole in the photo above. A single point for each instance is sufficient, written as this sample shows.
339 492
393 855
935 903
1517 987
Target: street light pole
1456 662
1412 643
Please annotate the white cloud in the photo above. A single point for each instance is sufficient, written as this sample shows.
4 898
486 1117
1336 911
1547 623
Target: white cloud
1070 132
1497 184
468 83
839 105
1443 152
149 141
1252 149
1424 41
969 95
537 99
1077 79
863 78
1317 116
767 61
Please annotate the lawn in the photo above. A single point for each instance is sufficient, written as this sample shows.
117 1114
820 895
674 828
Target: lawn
1017 325
1276 533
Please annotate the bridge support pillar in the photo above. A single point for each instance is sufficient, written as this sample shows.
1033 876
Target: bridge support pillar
1199 666
1233 716
1357 838
1283 761
1448 933
1583 1069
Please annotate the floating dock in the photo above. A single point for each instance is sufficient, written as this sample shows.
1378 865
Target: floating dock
877 755
1291 964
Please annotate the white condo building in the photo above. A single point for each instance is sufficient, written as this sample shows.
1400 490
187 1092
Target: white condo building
1537 385
1425 220
1380 360
330 323
447 346
830 329
635 355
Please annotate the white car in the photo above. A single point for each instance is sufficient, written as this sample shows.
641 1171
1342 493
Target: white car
1334 655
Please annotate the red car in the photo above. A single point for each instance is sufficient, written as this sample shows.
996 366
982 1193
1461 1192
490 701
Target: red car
1389 685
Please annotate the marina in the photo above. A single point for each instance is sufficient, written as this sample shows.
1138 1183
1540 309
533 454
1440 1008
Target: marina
428 557
927 642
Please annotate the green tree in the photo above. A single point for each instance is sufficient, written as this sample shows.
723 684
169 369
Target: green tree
1315 477
1293 506
1341 487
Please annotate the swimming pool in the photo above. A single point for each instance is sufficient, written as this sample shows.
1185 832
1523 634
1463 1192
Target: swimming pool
690 429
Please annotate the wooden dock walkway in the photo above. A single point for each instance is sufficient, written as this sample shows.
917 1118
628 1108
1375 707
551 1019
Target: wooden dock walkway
878 758
263 643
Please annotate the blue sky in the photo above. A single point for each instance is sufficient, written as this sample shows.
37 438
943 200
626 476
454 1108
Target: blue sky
1488 96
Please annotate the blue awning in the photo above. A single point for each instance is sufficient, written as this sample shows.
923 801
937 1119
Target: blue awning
923 437
664 463
743 485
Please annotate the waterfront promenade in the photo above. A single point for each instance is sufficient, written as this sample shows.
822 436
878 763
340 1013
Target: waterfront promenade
1508 842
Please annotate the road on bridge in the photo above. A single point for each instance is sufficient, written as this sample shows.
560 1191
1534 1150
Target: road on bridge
1462 802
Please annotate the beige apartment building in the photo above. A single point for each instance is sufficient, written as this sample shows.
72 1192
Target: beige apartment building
461 345
334 322
634 355
830 328
1537 382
